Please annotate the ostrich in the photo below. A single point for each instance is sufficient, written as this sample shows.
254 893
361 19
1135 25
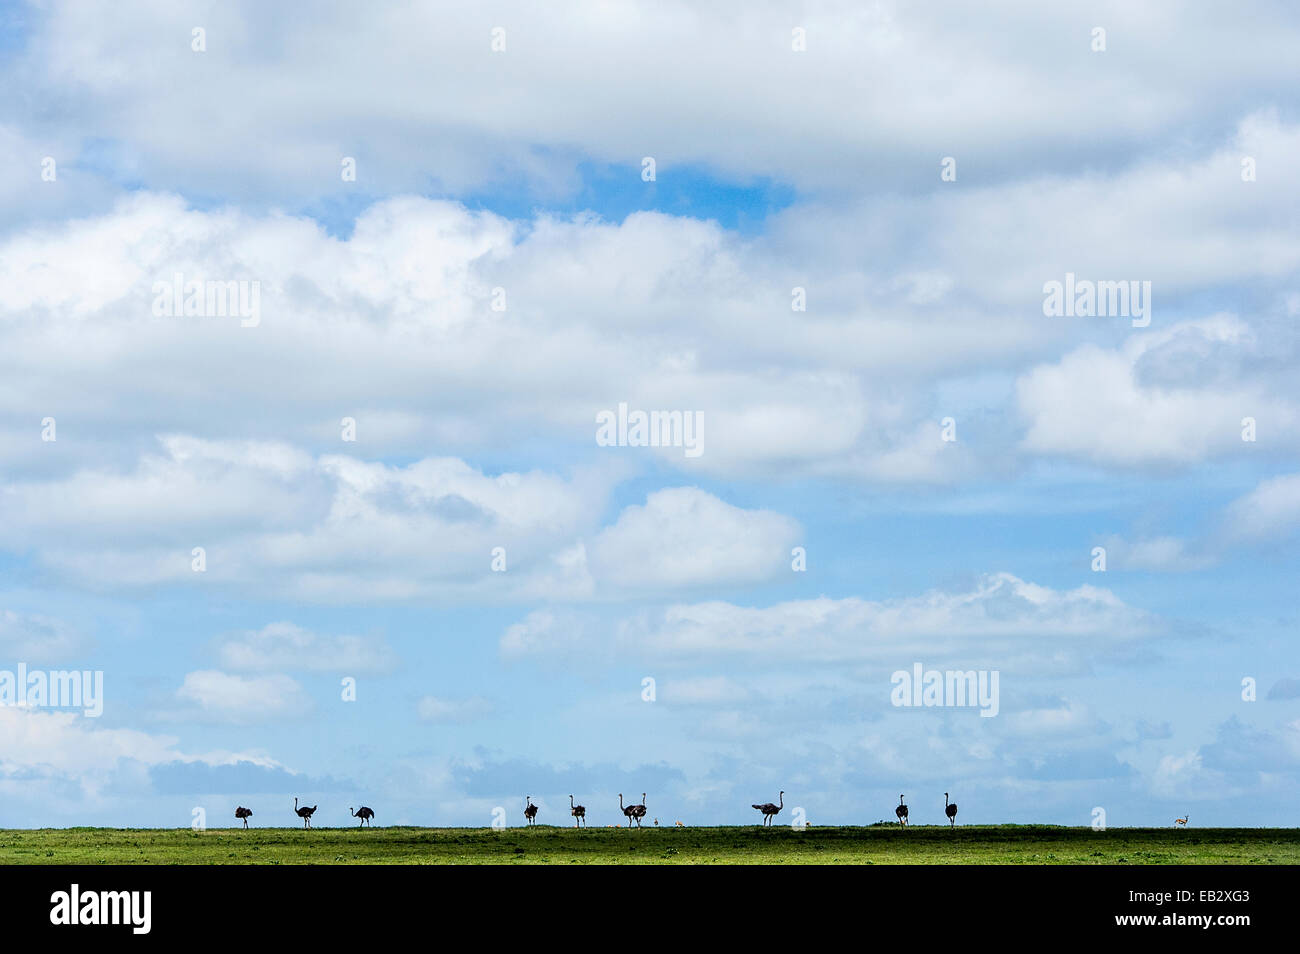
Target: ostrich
901 811
365 814
242 812
1182 821
633 812
769 810
579 813
530 810
950 809
304 813
639 810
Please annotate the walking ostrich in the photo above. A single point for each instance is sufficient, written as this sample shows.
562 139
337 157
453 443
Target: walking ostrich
769 810
530 810
242 812
633 812
579 813
365 814
950 809
304 813
901 811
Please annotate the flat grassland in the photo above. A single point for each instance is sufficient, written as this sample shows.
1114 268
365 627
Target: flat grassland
542 844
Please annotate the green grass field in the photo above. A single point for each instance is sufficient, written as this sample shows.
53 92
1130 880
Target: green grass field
1002 844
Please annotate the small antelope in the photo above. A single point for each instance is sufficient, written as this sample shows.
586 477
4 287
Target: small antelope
680 825
1182 821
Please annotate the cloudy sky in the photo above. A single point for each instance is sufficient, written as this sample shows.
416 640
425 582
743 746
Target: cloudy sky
387 476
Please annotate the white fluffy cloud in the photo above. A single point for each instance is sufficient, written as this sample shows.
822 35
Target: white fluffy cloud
1171 554
685 537
616 83
394 326
1271 510
1160 398
271 518
50 745
1003 618
221 697
68 743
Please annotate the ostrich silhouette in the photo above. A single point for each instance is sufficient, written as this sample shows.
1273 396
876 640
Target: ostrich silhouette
769 810
244 813
901 811
950 810
304 813
633 812
365 814
530 810
579 813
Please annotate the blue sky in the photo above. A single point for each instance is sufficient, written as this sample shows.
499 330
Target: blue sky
516 176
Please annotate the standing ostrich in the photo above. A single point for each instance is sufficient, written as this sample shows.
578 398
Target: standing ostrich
901 811
633 812
304 813
769 810
365 814
530 810
639 810
579 813
242 812
950 809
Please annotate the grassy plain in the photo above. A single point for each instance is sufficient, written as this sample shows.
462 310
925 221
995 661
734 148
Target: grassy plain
999 844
